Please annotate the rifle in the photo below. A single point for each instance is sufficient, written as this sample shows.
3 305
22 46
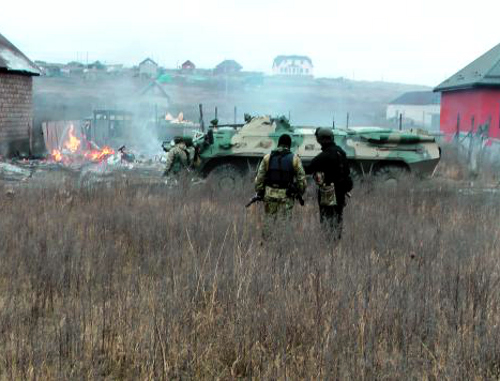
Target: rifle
254 199
293 192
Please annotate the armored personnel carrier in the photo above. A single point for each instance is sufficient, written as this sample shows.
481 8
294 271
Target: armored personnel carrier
227 153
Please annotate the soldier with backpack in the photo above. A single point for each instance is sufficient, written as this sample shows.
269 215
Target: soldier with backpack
280 179
331 173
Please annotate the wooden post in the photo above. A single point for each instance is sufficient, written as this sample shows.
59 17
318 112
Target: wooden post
347 121
400 121
235 114
215 112
30 134
333 122
202 123
458 127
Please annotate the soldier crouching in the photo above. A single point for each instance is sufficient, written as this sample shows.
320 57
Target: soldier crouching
177 159
280 179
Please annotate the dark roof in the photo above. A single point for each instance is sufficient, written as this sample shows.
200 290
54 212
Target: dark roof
278 60
484 71
148 59
152 86
188 63
229 64
12 60
418 98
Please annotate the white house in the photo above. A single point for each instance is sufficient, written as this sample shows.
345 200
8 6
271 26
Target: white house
148 68
293 66
417 108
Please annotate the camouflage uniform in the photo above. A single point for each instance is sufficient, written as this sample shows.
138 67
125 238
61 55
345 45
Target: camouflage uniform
276 201
177 160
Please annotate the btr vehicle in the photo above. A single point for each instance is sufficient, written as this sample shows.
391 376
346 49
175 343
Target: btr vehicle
228 153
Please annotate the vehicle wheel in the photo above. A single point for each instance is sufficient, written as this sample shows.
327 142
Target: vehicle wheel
226 176
390 175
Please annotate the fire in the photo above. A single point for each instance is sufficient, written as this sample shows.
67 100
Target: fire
74 151
73 143
98 155
56 155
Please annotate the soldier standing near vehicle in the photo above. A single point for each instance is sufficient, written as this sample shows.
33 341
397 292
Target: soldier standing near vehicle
177 158
331 173
280 179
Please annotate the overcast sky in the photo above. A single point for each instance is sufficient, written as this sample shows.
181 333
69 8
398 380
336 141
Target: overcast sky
420 41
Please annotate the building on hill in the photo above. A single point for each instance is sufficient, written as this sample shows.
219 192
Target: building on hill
148 68
16 99
417 108
228 67
188 66
471 97
293 66
72 69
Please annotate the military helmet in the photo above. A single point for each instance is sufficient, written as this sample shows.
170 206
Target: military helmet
178 139
324 135
285 140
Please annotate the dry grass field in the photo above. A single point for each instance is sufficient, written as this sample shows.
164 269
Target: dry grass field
137 282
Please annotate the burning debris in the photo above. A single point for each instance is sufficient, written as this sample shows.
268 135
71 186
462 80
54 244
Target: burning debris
79 150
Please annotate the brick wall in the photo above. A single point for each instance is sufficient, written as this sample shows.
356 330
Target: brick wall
16 112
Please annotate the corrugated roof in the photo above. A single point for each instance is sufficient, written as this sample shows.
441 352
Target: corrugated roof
278 60
418 98
484 71
12 60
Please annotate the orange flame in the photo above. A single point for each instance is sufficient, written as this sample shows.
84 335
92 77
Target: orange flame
56 155
97 155
73 144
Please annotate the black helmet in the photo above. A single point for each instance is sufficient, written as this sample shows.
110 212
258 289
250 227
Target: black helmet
285 140
324 135
178 139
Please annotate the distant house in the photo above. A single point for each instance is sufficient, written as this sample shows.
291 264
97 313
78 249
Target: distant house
148 68
417 108
293 66
95 70
16 99
188 66
228 67
49 69
73 68
471 97
114 69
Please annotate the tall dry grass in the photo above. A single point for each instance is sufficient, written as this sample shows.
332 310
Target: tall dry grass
137 282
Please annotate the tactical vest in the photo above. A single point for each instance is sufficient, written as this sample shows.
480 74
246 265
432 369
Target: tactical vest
280 171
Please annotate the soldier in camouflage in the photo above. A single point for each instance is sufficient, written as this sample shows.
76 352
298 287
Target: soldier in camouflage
331 173
177 158
278 173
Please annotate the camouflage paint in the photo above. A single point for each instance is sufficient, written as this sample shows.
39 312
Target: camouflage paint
366 147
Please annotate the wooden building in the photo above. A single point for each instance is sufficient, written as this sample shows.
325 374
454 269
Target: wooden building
228 67
471 97
16 99
148 68
188 66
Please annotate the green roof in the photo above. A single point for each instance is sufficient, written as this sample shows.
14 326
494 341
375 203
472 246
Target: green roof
483 72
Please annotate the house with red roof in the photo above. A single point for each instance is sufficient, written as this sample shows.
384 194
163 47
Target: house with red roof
471 97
